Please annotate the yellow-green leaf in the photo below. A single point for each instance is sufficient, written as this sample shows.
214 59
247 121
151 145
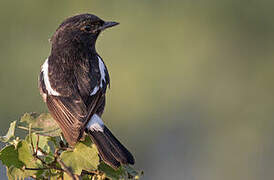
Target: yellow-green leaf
42 124
10 133
83 157
9 157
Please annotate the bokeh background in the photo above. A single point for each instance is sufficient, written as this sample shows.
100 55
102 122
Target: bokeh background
192 91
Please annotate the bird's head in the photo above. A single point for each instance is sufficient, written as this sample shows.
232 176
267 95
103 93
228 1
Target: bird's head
80 31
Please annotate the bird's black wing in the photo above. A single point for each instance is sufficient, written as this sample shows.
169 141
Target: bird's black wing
70 108
68 115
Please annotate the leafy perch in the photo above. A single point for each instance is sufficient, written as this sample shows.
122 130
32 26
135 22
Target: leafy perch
42 154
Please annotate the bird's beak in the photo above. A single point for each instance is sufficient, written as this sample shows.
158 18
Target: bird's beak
107 25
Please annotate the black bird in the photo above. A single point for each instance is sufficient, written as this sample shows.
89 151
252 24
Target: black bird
73 82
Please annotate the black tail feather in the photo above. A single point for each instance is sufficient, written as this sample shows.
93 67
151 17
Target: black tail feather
122 150
100 141
110 149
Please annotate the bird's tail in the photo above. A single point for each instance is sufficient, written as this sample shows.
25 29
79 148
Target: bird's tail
110 149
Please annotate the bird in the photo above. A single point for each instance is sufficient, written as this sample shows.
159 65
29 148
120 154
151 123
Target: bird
73 81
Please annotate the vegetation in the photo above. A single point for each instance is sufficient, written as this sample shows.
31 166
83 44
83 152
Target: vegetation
43 154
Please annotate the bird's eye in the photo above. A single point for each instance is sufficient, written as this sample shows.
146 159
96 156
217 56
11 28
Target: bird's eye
86 28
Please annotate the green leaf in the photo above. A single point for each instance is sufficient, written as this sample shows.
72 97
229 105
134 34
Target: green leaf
29 118
43 142
53 140
49 159
25 155
132 172
42 124
86 177
66 177
112 173
18 155
40 174
54 177
16 158
15 142
83 157
10 133
14 173
9 157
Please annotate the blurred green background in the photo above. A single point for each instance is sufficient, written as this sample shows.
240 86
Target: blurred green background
192 92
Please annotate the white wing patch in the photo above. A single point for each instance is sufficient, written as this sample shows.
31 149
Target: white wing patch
95 123
94 90
102 69
51 91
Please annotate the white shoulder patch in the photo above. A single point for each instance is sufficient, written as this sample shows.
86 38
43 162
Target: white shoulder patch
51 91
94 90
102 71
95 123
